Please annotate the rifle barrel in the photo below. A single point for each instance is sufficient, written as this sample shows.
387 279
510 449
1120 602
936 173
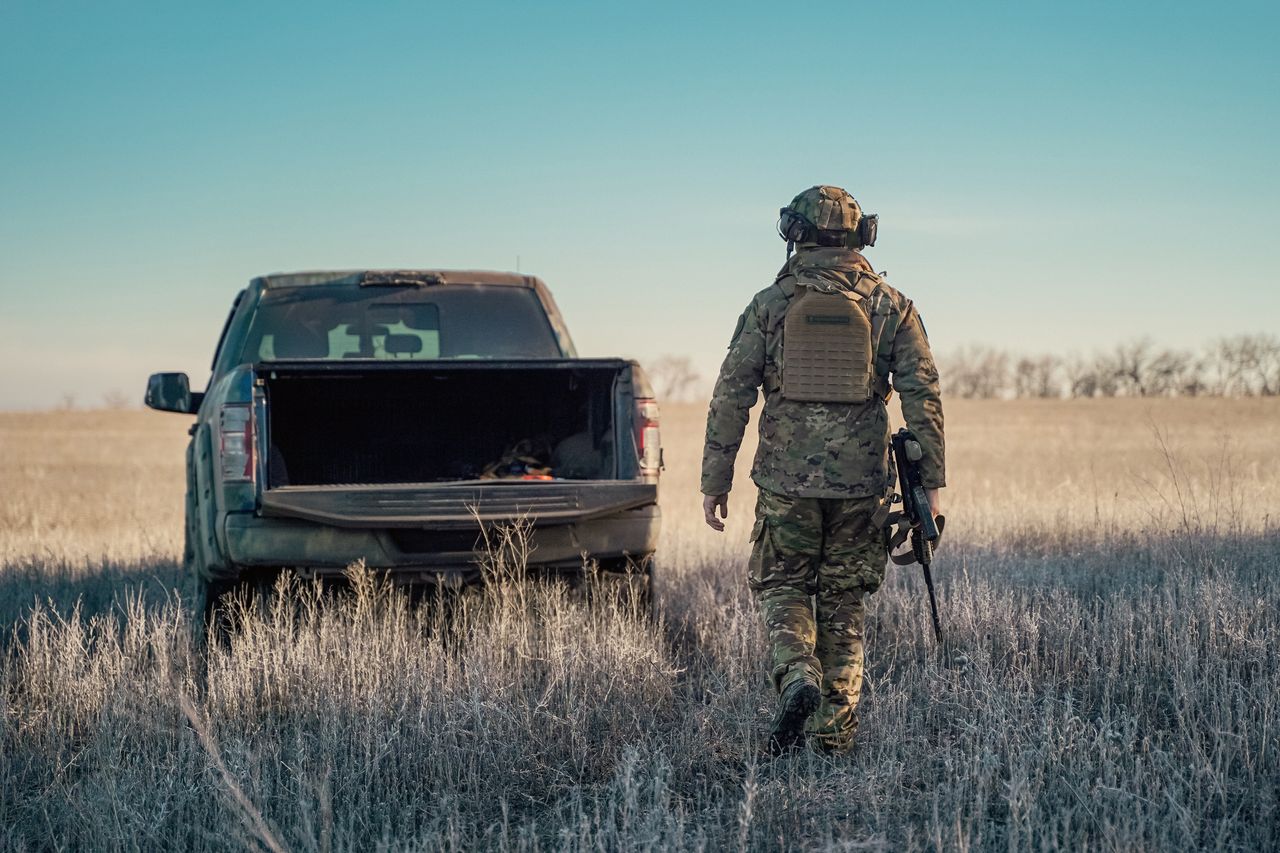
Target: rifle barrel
933 604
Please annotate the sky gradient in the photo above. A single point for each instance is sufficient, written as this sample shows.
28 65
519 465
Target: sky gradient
1048 177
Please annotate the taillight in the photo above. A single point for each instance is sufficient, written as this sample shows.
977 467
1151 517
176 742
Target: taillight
235 434
648 436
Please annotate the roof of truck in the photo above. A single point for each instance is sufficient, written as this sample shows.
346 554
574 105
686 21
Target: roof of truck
423 277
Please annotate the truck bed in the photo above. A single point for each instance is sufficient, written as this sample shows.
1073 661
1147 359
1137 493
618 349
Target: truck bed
448 443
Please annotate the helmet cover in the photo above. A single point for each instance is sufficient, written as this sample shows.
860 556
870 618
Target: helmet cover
828 208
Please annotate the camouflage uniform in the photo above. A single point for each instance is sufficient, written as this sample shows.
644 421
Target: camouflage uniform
823 471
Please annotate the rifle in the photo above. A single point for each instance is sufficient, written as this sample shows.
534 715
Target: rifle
916 517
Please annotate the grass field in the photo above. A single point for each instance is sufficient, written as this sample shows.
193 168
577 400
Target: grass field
1109 575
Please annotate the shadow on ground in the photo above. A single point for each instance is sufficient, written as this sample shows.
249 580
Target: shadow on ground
96 588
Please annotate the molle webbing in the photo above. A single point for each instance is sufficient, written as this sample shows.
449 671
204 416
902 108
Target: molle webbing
827 349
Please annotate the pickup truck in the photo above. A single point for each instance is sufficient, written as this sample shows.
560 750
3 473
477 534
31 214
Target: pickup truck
391 416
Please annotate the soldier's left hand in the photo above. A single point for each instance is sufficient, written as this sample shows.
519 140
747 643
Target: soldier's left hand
709 505
935 501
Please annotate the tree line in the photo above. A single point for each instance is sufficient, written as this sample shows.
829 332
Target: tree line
1242 365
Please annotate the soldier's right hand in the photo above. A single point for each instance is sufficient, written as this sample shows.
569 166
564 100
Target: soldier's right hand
709 505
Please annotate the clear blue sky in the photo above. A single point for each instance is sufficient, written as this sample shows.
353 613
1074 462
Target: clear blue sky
1049 176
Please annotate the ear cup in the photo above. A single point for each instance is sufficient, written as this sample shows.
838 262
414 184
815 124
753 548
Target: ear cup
793 227
867 227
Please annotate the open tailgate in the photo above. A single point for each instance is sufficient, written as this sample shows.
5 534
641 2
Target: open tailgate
456 504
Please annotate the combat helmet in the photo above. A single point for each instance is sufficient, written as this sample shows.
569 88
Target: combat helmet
826 216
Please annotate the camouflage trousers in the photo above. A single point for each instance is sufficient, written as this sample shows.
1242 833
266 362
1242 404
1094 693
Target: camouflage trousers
812 562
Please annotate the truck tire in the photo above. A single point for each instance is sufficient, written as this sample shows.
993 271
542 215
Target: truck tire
209 607
631 582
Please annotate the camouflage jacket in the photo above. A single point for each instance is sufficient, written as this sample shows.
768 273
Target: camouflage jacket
823 450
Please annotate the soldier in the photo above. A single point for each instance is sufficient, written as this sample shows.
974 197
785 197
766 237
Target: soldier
823 341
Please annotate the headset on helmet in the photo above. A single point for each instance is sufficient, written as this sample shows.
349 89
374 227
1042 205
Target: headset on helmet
835 207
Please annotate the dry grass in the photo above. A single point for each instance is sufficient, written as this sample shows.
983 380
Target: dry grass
1116 602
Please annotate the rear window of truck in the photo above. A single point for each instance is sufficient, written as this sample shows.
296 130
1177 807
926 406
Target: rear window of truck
399 324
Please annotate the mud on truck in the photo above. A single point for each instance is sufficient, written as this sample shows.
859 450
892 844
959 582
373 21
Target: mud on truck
393 416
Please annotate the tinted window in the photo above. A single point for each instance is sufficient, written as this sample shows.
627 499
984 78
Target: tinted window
399 323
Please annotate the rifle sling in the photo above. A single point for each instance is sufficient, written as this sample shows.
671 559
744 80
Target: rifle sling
897 530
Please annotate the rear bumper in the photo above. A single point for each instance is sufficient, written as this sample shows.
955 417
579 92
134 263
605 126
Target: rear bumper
314 548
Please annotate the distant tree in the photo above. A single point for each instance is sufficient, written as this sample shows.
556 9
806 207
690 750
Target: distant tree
1131 368
67 402
1222 371
1239 365
1196 382
1267 365
116 399
1249 364
673 377
1173 372
1037 377
977 372
1107 371
1081 376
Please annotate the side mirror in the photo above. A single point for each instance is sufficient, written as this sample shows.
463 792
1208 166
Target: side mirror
170 392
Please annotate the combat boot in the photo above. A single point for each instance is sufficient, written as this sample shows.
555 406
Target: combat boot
797 702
